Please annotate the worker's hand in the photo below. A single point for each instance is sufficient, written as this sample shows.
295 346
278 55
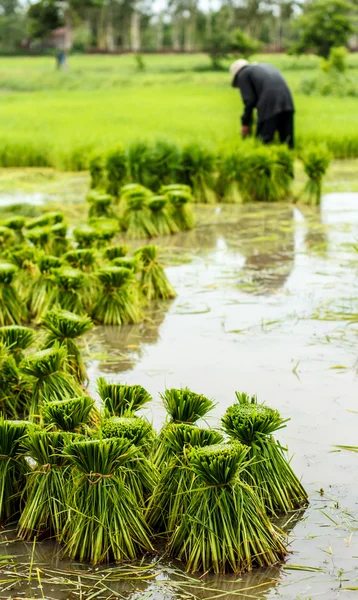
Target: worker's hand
245 131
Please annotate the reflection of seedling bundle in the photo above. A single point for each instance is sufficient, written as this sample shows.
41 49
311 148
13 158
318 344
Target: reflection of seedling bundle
72 414
197 170
225 527
153 281
11 310
66 327
46 490
16 339
105 520
171 496
162 220
70 287
13 466
269 471
181 211
49 377
117 302
122 400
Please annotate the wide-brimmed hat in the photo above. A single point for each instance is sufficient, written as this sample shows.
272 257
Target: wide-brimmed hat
236 67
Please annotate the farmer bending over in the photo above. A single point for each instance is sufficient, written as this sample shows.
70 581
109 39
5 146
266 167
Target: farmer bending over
263 87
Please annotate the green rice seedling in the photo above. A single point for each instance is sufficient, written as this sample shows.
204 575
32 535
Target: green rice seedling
65 328
117 251
269 470
171 496
316 161
12 311
70 284
117 302
259 183
58 240
136 216
162 164
16 224
140 476
41 238
47 486
128 262
84 259
161 217
106 230
7 238
184 406
25 257
121 400
71 414
100 205
50 381
13 466
42 293
97 171
16 339
50 218
198 166
86 236
105 521
116 167
180 209
225 527
230 178
153 281
284 170
138 153
15 391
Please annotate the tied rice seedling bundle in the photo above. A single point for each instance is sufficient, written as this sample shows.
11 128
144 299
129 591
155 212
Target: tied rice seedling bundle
117 251
116 168
161 217
13 466
225 527
106 230
316 161
16 224
105 521
162 165
7 238
171 496
41 238
43 290
59 242
71 284
97 171
65 327
138 154
230 178
153 281
259 183
181 210
136 216
130 263
86 236
269 470
100 205
72 414
284 170
198 166
85 259
122 400
140 475
117 301
50 218
15 391
50 379
47 486
11 309
16 339
25 258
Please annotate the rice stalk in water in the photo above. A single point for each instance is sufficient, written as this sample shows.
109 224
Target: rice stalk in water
122 400
153 281
13 466
316 161
117 300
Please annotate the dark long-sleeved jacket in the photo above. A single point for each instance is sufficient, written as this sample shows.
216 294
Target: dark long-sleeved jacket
263 87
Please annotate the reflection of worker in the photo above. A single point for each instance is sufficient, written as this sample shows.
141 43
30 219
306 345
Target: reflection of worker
264 88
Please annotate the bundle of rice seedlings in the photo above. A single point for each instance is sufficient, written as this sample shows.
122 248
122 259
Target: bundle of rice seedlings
25 257
140 476
42 293
171 496
106 230
316 161
7 238
71 414
116 167
59 242
230 178
269 470
138 160
117 302
16 224
121 400
41 238
65 327
181 211
50 218
100 205
97 171
84 259
13 466
70 284
259 176
117 251
161 217
50 380
11 309
162 164
284 170
86 236
105 521
153 282
15 391
184 406
134 189
175 187
47 486
136 216
128 262
225 527
16 339
197 170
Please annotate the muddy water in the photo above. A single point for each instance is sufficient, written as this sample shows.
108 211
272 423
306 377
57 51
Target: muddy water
266 300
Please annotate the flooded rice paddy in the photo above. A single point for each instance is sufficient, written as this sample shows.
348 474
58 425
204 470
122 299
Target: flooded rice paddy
267 304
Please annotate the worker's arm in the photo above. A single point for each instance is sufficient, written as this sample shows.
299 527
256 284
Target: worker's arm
249 98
